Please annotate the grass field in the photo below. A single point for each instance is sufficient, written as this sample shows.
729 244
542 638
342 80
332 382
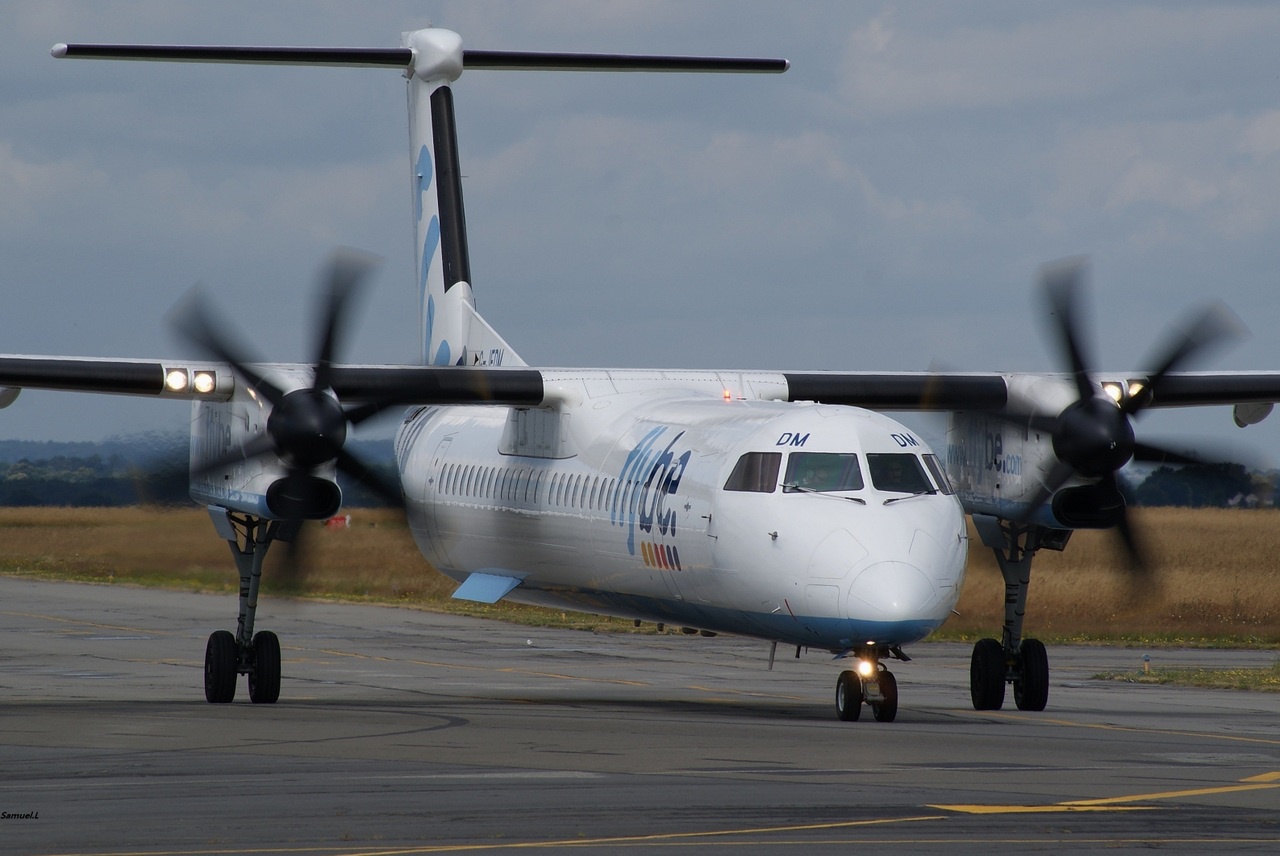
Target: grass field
1216 578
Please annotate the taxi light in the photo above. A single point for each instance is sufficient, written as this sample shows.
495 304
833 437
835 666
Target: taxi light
866 668
1114 391
1136 388
205 382
175 380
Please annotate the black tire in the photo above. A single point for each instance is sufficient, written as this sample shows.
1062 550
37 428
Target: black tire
848 697
887 710
264 679
1031 685
987 671
221 667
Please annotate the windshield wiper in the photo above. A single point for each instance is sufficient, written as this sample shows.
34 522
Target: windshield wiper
795 488
910 496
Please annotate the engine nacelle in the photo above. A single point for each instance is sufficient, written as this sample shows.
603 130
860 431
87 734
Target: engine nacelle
1091 506
304 497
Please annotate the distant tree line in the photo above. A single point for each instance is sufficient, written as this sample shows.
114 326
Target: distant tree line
119 479
1202 486
94 481
91 481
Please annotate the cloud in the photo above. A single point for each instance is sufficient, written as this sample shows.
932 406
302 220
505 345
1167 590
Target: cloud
1167 180
892 67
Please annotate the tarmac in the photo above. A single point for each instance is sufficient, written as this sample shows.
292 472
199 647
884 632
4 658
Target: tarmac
404 731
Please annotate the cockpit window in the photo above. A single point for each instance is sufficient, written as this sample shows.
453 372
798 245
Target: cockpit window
939 474
898 472
822 471
755 472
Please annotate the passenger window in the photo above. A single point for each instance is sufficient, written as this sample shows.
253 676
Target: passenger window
755 472
822 471
898 472
939 474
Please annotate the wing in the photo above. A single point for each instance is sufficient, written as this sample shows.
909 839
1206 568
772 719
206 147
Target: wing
405 384
213 381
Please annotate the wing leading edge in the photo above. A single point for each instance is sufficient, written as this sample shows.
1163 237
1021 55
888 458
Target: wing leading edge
526 387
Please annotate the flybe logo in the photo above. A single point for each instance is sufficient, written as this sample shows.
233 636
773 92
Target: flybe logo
650 476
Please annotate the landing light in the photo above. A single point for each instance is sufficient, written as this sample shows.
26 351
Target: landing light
175 380
1136 388
205 382
866 668
1114 391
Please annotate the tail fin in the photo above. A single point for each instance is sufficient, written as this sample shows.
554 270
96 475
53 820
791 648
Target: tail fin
452 332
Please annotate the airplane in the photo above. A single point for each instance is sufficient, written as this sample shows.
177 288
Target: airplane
781 505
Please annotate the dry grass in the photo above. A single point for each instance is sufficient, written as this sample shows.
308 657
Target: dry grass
1217 577
373 560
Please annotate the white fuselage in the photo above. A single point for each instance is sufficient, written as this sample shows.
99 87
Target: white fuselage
615 502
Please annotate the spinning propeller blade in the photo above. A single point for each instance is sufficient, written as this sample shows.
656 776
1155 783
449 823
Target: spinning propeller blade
307 428
1093 437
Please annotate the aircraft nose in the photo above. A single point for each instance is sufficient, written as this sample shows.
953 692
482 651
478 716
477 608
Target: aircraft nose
891 591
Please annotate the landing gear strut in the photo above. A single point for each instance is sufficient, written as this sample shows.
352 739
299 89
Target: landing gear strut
1021 662
870 682
228 655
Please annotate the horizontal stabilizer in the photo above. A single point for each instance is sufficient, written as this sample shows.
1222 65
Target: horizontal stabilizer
544 61
404 58
486 588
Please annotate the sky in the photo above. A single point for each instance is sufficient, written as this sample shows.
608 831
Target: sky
884 205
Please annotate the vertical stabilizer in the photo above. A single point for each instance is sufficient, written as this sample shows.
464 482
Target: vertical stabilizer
452 333
441 262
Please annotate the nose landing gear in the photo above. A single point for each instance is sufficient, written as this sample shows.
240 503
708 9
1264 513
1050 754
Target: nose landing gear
870 682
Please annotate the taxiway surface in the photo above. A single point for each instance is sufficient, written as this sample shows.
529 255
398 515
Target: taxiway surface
401 731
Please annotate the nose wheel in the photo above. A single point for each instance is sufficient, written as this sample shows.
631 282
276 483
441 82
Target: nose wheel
879 690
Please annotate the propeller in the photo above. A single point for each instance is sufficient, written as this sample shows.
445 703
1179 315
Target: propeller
1093 437
307 427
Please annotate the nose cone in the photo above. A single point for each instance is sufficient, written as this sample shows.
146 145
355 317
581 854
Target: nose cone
892 591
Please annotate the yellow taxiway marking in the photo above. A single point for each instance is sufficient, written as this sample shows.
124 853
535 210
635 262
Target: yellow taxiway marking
1263 777
645 839
82 623
1265 781
1102 726
1056 808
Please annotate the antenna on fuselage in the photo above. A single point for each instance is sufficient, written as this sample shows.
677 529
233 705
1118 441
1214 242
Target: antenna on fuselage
431 59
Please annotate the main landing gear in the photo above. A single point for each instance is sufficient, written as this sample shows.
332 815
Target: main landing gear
228 655
870 682
1012 660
